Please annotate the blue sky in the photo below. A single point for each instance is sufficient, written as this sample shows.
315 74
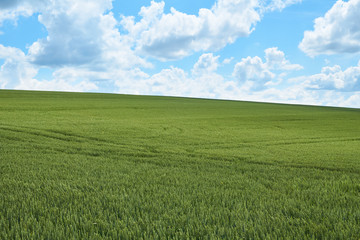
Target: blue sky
287 51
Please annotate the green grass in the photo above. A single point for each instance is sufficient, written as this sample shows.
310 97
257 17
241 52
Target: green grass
102 166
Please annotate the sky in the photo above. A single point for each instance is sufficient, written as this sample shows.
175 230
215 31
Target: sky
283 51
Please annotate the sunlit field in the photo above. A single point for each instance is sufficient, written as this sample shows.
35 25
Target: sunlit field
106 166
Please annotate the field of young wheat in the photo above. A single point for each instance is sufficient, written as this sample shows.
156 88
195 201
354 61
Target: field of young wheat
106 166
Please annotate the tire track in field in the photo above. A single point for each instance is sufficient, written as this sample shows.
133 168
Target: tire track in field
40 133
109 146
312 141
298 166
58 135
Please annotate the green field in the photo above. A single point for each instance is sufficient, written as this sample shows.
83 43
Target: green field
106 166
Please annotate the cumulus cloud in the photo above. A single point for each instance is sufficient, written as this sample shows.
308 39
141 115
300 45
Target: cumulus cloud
84 32
17 73
176 34
228 60
204 81
75 29
337 32
201 81
275 59
257 74
15 67
207 63
352 101
172 81
333 78
252 70
80 33
178 82
83 46
12 9
11 52
272 5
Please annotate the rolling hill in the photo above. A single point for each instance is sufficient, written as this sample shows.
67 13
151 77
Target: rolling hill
107 166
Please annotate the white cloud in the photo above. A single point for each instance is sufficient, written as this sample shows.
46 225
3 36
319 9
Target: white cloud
83 33
208 84
15 5
11 52
56 85
116 48
254 72
75 33
174 82
275 59
15 67
177 82
352 101
202 81
272 5
207 63
84 47
337 32
257 75
176 34
296 94
12 9
228 60
17 73
333 78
